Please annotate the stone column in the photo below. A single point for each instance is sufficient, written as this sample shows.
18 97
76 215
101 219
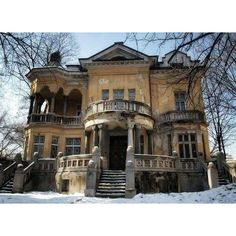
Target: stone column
52 103
101 138
31 107
18 185
95 135
35 105
130 134
86 142
65 105
150 141
137 139
212 174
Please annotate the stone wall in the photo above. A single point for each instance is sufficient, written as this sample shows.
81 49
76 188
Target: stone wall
155 182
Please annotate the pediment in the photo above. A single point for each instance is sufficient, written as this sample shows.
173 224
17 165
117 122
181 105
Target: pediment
116 52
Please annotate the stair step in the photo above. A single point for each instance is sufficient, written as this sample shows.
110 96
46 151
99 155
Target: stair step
110 195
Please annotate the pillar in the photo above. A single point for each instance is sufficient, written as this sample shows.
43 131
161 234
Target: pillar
52 103
150 141
31 107
65 105
95 135
212 173
35 104
101 138
86 142
137 139
130 134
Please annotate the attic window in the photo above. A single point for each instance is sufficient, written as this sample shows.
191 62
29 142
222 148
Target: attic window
118 58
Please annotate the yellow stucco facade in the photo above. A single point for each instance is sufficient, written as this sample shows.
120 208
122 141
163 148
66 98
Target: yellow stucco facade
68 104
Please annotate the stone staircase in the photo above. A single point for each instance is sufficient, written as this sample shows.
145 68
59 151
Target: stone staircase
223 181
112 184
7 187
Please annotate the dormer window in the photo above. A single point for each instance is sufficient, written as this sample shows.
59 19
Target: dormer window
180 101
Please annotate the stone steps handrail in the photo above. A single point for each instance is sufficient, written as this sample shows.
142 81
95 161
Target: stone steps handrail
27 172
118 105
8 171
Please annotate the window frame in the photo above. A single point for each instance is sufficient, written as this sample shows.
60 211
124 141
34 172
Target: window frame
119 97
180 102
73 146
132 98
187 145
38 145
103 94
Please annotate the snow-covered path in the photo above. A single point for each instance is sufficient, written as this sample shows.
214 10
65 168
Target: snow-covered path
223 194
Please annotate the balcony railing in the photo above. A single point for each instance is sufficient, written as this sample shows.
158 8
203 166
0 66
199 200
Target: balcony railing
55 119
118 105
182 116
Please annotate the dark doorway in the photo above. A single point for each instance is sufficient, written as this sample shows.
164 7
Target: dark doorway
118 146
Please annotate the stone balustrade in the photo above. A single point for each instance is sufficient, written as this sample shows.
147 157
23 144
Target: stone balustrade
118 105
145 162
74 162
189 165
47 164
182 116
55 119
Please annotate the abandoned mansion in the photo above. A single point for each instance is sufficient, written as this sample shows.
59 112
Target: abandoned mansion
118 123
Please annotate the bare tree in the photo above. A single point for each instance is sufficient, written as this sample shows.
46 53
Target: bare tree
217 55
20 52
11 137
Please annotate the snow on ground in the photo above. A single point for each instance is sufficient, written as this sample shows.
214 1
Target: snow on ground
223 194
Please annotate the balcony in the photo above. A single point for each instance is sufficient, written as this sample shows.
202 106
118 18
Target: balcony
51 118
182 116
118 105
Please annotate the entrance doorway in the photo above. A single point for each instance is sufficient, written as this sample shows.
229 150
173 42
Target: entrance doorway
118 146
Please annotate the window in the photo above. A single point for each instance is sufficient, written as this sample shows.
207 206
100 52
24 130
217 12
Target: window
72 146
54 147
187 145
118 94
169 143
105 94
38 145
180 99
141 144
131 94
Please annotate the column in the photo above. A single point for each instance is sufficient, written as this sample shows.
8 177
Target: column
65 105
150 141
95 135
35 106
101 138
137 139
31 107
86 142
130 134
52 103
